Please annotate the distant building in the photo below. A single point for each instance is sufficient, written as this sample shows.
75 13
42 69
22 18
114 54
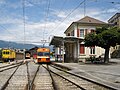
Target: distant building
33 52
73 43
115 21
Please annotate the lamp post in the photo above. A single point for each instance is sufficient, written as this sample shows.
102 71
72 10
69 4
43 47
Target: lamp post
43 41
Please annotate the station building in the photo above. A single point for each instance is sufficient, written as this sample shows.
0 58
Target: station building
72 45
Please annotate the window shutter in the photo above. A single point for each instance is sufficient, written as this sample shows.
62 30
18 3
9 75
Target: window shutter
78 32
86 31
82 49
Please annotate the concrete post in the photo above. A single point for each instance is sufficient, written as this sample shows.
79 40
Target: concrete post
63 50
78 45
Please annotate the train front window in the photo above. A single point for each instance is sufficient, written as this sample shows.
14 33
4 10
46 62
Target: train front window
46 53
43 53
40 54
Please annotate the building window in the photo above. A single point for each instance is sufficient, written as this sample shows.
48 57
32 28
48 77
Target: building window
81 32
72 33
82 49
92 30
92 50
68 34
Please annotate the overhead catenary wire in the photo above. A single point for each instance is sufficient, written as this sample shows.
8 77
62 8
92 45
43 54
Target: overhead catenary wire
8 31
46 20
46 16
83 2
84 8
46 10
106 11
68 15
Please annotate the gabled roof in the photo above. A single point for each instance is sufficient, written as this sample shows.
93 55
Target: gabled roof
114 16
88 19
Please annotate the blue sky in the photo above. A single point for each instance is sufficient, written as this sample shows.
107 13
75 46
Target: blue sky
45 18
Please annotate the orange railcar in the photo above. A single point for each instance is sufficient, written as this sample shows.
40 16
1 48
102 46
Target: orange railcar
43 55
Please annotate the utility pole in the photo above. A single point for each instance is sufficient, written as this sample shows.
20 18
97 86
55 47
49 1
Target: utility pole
84 7
43 41
23 4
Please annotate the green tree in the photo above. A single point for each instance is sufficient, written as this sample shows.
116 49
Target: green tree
105 38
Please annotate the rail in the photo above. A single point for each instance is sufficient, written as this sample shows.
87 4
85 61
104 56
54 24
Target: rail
68 80
53 82
7 82
32 82
85 78
10 66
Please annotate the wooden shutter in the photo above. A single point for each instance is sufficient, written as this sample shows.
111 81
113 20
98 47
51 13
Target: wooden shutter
78 32
82 49
86 31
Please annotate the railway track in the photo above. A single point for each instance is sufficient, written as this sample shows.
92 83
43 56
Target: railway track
14 78
41 80
81 82
32 76
7 67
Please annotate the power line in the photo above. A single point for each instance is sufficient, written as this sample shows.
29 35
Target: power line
29 41
8 31
33 4
46 17
84 7
46 14
68 15
63 5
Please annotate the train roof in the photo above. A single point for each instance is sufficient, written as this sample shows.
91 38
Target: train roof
27 51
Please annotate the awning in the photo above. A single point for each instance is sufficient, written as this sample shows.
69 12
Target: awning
57 40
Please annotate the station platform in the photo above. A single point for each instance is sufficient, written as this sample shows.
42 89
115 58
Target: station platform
108 74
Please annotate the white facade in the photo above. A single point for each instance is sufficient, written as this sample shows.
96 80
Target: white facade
79 30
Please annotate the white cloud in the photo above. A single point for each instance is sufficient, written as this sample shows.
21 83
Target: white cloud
2 2
34 30
60 14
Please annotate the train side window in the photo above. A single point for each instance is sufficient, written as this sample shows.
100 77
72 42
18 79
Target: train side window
3 52
8 52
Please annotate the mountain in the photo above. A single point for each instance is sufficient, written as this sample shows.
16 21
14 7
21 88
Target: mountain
7 44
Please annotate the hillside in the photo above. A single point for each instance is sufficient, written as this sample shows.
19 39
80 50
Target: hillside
6 44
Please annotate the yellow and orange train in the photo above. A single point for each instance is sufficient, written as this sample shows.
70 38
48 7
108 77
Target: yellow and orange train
43 55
